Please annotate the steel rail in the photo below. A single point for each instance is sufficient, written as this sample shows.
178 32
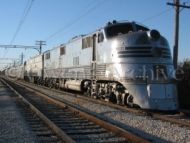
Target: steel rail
54 127
185 111
158 116
170 119
110 127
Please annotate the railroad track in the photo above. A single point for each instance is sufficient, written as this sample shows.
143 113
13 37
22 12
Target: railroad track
69 123
43 133
40 131
185 111
179 117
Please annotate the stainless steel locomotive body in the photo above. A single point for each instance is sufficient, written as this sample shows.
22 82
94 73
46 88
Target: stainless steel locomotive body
16 72
33 69
65 65
140 60
143 64
124 62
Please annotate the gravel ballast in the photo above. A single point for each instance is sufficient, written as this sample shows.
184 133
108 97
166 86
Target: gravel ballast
155 130
145 126
13 128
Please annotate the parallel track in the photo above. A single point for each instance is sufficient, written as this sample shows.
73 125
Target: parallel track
185 111
69 123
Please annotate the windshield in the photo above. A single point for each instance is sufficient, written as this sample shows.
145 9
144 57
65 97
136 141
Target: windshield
123 28
141 28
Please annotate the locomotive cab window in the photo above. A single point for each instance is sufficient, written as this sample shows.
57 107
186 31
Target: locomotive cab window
100 37
118 29
62 50
141 28
87 42
47 55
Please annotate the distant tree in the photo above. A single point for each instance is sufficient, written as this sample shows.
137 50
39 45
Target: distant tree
184 85
186 65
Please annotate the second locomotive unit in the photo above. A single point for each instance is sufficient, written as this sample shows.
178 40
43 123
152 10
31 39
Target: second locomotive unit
124 62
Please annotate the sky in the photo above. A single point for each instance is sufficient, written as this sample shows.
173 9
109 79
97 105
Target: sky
56 21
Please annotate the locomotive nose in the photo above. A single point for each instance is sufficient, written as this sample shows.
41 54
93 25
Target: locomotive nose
156 52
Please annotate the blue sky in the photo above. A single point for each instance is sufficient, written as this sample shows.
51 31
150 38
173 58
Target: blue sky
75 17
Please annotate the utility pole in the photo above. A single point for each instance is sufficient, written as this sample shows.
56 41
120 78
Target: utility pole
21 58
176 30
40 43
14 63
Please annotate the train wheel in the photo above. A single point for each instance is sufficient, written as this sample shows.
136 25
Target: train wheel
113 98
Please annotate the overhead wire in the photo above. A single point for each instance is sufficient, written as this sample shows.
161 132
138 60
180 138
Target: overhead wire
162 12
74 21
23 18
156 15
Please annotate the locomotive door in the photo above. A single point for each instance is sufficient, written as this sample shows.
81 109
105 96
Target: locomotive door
93 66
94 47
94 56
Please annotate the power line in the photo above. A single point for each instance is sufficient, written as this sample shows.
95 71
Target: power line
21 46
71 23
156 15
23 18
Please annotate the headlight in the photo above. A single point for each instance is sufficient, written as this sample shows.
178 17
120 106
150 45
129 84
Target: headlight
154 34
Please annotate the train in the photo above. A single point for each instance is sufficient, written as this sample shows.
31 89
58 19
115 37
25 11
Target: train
123 62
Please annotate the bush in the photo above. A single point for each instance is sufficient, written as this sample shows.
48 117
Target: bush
184 86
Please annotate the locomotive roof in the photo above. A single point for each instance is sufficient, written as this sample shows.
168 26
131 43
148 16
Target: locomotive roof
109 24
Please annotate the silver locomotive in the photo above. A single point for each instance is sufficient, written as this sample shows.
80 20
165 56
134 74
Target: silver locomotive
123 62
